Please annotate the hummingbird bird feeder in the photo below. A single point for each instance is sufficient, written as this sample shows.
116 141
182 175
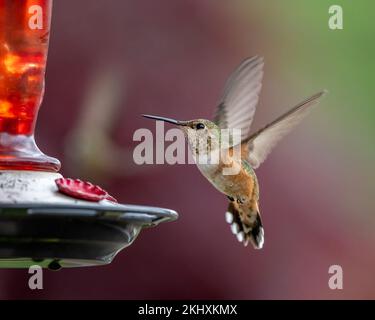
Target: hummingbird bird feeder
46 219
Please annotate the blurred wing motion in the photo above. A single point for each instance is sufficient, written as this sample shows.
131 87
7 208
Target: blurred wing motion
260 144
238 103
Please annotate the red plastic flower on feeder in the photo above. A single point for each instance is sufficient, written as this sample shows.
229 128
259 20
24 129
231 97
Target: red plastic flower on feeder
83 190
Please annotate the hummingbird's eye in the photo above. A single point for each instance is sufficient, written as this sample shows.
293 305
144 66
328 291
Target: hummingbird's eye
200 126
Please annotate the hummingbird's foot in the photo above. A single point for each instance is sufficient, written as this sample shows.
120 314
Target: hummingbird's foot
240 201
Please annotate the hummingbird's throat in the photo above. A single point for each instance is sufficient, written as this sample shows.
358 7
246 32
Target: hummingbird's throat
200 144
213 154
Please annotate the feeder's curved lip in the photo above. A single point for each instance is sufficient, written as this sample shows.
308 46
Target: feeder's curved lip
105 210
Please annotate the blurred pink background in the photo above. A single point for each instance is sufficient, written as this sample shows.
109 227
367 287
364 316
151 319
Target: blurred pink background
110 61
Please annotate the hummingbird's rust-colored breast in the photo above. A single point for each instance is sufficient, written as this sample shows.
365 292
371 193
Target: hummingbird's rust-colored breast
242 184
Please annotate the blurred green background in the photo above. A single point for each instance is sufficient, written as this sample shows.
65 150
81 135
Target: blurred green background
308 54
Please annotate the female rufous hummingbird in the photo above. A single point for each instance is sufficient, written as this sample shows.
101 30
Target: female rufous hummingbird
236 111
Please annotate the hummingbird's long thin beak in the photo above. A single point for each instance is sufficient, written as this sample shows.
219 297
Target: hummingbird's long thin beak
169 120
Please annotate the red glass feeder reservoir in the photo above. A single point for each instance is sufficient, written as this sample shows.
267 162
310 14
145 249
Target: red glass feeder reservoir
24 36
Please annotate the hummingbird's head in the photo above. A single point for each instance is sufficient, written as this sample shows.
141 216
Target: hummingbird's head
203 135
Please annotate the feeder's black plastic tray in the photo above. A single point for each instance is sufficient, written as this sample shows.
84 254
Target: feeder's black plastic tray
56 236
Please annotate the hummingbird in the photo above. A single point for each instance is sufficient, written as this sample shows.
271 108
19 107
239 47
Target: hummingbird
236 110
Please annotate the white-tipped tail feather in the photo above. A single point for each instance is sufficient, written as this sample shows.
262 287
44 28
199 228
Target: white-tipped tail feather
228 217
245 233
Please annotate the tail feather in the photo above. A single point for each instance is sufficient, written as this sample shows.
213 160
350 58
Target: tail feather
257 233
246 224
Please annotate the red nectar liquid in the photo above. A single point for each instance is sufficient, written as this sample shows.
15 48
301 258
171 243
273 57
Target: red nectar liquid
24 35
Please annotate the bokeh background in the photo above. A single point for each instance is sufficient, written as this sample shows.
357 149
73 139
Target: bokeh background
111 60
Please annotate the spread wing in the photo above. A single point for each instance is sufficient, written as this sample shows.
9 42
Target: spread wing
260 144
240 97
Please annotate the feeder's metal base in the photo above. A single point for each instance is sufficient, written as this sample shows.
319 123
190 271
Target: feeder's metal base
39 225
69 235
